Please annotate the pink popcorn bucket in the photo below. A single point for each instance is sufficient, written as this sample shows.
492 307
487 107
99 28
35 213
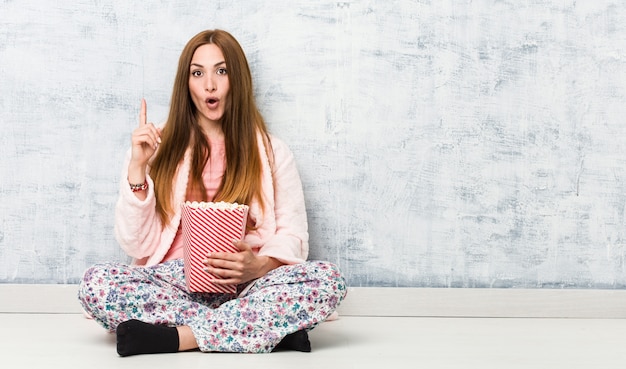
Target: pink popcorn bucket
209 227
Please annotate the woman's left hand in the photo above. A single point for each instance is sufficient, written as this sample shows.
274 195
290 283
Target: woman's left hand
240 267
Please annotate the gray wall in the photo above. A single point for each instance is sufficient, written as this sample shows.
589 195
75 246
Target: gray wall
441 143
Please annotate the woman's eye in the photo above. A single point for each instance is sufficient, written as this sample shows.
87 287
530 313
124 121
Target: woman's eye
221 71
196 73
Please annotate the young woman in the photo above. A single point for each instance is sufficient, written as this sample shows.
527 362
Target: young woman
214 147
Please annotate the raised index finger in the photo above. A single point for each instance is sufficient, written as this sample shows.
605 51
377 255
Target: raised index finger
142 113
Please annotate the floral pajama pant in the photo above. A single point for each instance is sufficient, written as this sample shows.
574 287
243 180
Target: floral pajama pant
285 300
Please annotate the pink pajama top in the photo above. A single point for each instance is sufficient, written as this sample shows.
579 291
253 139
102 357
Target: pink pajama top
281 229
212 177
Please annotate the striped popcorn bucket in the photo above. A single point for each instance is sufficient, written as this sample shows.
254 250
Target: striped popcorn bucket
209 227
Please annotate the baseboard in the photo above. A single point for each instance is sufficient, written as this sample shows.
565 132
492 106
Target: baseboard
369 301
486 303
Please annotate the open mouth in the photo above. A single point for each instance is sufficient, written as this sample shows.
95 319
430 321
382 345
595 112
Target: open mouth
211 101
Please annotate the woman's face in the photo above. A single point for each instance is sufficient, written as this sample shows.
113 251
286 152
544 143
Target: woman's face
208 83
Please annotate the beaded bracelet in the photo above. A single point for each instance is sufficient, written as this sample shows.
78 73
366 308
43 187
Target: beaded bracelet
139 187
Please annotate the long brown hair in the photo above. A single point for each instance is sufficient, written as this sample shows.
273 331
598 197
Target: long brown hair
240 123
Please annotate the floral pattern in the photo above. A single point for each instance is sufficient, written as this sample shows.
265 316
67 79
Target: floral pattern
285 300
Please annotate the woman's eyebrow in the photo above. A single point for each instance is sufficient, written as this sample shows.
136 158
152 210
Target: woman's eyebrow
202 66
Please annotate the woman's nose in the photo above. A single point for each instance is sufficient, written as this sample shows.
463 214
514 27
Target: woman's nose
210 85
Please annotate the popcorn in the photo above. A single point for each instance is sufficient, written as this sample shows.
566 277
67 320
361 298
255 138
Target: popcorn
215 205
209 227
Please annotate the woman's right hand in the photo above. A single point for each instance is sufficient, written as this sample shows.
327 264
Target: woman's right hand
145 140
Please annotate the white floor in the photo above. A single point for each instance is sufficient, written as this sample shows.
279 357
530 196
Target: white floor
70 341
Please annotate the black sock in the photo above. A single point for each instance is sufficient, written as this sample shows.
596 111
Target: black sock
135 337
297 341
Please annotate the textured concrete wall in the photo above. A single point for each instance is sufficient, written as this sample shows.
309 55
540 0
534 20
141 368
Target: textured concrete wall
441 143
